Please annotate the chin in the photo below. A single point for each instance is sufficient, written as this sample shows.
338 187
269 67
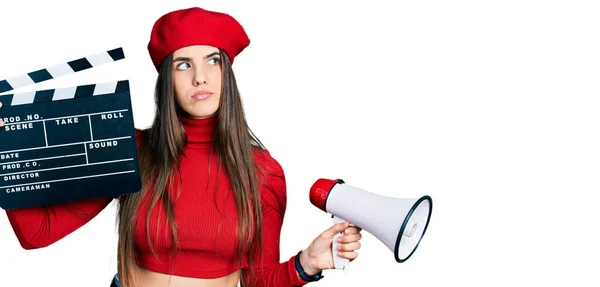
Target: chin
199 114
200 110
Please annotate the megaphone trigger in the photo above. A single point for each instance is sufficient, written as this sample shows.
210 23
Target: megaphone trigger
338 262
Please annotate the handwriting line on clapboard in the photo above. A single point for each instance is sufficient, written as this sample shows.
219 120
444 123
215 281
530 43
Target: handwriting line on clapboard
69 166
73 178
67 141
32 173
62 145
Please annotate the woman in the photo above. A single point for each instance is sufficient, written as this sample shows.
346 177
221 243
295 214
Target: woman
213 199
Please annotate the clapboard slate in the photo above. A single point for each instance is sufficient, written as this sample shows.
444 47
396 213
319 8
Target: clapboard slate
67 144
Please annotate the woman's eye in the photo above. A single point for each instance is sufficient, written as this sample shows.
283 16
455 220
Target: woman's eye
213 61
181 66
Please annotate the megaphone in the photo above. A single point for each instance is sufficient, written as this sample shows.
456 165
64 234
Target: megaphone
397 222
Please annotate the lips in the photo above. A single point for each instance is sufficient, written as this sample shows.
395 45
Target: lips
202 95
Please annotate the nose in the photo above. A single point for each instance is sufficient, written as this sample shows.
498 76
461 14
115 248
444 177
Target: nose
200 77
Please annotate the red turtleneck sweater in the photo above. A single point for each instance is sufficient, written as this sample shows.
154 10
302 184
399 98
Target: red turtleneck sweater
205 214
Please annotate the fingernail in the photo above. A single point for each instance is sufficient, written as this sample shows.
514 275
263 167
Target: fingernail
339 239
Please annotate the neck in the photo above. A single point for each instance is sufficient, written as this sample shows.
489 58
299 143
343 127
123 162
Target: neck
199 132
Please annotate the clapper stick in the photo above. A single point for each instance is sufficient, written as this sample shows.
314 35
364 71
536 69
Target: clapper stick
67 144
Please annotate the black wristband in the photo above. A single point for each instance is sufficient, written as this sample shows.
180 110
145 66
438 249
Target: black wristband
303 275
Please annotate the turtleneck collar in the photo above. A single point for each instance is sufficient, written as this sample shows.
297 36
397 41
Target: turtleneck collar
199 132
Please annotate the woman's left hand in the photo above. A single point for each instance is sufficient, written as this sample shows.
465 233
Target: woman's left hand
319 255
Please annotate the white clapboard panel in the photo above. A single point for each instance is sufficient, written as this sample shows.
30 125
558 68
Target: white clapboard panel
67 144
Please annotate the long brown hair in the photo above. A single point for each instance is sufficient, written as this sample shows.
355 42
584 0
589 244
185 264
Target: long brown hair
159 155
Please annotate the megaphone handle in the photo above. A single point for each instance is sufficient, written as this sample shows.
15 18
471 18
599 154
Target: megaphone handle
338 262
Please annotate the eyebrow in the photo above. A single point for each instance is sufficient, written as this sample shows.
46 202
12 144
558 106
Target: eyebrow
189 59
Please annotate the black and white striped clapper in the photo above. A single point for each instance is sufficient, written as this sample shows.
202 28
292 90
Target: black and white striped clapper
67 144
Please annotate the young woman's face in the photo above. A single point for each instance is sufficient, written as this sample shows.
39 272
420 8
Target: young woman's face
197 80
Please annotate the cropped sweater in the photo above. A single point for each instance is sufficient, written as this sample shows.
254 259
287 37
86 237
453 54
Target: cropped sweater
205 215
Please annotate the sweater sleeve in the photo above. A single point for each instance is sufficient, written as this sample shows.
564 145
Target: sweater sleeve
268 271
38 227
41 226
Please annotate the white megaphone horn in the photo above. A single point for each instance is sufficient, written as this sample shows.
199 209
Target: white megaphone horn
397 222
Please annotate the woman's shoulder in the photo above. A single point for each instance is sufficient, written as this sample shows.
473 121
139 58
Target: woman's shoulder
267 165
271 179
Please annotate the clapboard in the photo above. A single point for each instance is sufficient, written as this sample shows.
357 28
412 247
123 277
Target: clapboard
70 143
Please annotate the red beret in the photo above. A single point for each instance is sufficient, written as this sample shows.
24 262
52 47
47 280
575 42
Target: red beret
196 26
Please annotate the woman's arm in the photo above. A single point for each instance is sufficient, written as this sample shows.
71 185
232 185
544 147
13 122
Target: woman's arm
268 271
38 227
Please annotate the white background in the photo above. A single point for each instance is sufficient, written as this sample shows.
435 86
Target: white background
490 107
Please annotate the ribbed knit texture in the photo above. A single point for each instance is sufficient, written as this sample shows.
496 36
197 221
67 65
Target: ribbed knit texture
205 214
